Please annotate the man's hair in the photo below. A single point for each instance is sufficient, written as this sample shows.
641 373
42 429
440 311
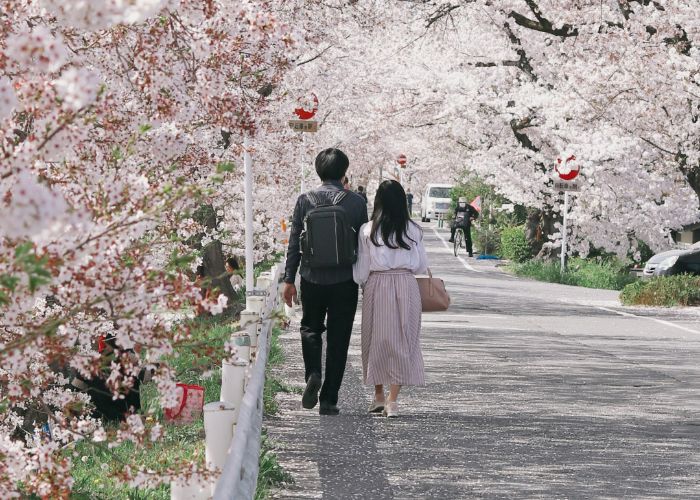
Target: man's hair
331 164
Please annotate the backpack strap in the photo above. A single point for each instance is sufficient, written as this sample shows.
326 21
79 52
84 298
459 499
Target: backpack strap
313 199
339 197
316 199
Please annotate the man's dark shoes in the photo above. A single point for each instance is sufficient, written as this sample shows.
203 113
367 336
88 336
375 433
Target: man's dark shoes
310 397
451 240
328 409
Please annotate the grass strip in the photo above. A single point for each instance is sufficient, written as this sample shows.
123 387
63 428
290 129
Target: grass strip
271 474
588 273
664 291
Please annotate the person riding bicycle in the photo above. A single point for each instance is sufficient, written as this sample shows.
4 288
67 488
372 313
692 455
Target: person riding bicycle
464 215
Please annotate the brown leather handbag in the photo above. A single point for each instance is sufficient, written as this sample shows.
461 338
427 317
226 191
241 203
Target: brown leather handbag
433 295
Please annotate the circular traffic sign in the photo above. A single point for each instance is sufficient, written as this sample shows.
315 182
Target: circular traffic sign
567 170
401 159
308 108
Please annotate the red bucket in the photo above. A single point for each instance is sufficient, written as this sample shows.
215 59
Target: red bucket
190 406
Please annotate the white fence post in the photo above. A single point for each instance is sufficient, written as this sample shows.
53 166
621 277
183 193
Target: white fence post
243 419
241 470
249 322
219 419
233 377
241 340
264 281
255 304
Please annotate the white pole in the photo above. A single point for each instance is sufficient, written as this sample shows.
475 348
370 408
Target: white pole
248 167
303 161
563 232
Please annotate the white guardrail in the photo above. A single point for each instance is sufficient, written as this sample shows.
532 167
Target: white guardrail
233 425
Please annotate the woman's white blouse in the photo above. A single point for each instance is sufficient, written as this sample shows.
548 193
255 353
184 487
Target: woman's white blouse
382 258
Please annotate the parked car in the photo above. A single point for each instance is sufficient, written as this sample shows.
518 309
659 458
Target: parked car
680 261
436 201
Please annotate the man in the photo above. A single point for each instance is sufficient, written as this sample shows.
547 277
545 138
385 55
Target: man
409 199
361 192
328 294
464 215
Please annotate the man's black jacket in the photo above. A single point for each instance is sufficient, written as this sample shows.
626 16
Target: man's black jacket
356 209
464 213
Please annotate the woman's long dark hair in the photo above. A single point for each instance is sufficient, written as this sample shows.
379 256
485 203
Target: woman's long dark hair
390 216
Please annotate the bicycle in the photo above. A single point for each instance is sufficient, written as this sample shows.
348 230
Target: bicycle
459 241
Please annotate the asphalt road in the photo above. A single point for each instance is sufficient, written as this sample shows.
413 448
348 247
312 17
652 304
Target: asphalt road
534 390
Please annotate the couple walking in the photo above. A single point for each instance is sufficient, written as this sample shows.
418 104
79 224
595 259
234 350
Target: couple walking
336 249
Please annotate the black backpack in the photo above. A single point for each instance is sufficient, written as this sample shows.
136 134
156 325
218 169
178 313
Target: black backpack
328 238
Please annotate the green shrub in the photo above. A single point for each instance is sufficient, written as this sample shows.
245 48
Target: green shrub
679 290
610 274
514 245
541 271
486 241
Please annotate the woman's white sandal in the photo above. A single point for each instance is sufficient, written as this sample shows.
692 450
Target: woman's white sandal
376 406
391 409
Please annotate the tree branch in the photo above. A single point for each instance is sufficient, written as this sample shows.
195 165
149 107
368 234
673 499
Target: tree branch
516 126
443 11
315 57
543 25
523 61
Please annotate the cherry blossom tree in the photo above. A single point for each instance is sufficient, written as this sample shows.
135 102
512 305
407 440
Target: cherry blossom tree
112 116
504 88
122 132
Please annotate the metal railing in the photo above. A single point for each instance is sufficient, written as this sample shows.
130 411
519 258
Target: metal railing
240 473
233 425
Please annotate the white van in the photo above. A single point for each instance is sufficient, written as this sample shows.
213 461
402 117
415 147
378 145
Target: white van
436 201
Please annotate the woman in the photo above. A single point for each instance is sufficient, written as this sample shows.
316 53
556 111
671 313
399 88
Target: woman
233 268
390 252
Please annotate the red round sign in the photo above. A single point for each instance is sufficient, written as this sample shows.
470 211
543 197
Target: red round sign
310 101
401 159
566 170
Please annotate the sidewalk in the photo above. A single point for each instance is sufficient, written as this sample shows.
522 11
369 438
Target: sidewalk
315 448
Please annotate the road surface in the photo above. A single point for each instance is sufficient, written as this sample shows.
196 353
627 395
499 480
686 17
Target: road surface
534 390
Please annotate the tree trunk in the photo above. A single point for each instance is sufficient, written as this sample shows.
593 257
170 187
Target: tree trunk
539 225
691 173
213 259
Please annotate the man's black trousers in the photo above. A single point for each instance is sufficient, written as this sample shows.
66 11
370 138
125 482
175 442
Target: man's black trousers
335 305
467 236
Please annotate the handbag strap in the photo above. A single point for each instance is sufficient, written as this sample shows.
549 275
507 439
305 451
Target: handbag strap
184 400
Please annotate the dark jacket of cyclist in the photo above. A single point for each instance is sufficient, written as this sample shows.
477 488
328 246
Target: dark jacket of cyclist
464 215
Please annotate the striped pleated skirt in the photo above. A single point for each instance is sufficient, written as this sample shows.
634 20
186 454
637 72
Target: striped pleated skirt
391 317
